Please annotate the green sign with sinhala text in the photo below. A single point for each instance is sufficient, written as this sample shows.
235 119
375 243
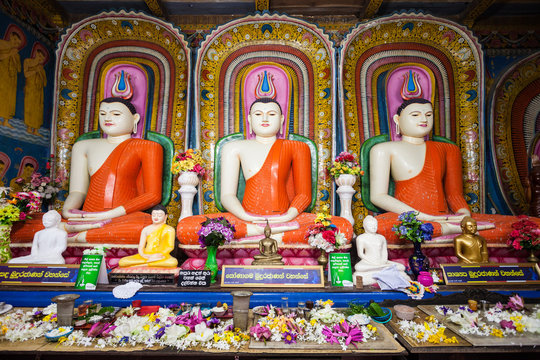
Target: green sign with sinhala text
89 272
339 265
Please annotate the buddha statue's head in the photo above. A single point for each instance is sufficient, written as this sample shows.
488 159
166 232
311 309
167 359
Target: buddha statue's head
159 214
27 172
468 225
15 39
51 219
370 224
117 117
414 118
265 117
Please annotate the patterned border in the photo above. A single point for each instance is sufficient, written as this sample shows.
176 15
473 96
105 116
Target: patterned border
511 129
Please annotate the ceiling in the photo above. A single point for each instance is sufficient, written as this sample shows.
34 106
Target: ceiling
520 15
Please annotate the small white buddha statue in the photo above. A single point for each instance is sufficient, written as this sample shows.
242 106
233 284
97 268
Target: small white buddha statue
373 254
48 244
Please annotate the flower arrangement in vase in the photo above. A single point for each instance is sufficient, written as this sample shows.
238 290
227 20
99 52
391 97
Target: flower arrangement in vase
14 207
525 235
344 163
189 165
47 186
416 231
189 161
325 236
213 233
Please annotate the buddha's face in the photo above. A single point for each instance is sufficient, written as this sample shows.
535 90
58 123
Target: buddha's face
158 216
370 224
416 120
115 119
469 227
15 40
27 172
265 119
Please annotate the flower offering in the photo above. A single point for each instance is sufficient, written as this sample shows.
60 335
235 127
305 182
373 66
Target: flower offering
324 235
190 160
412 229
18 206
345 163
215 232
525 235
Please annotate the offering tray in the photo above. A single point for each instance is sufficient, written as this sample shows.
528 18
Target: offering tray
419 318
520 339
384 342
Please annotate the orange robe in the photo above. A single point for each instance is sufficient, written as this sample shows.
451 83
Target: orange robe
438 190
130 177
284 181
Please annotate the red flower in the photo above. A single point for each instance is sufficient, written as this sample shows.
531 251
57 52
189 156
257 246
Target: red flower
516 244
329 236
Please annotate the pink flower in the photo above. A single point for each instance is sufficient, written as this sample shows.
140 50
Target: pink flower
22 215
516 244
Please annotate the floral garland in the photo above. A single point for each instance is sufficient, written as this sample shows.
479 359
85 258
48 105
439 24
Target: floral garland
431 331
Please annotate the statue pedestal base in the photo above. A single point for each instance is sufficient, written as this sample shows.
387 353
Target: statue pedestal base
144 275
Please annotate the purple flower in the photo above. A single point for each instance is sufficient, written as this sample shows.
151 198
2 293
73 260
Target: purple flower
289 337
506 324
160 332
212 322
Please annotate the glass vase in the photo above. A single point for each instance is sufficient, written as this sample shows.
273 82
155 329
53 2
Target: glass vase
211 262
418 261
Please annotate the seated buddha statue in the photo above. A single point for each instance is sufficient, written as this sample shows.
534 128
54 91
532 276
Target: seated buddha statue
469 247
155 245
373 254
267 164
269 250
48 244
428 179
113 179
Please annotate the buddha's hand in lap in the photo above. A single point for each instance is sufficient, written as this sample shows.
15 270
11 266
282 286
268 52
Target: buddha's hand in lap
82 216
289 216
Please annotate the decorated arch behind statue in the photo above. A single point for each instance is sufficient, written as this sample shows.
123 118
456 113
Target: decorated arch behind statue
514 109
414 55
124 54
266 55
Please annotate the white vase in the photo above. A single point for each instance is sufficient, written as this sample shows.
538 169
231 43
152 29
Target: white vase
345 192
188 181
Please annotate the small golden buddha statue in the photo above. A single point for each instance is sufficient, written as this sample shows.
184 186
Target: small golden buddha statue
269 250
469 247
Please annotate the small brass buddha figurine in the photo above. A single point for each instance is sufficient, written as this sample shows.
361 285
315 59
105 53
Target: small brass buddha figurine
269 250
469 247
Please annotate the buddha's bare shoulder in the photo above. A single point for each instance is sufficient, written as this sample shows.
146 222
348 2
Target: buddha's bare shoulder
238 145
388 147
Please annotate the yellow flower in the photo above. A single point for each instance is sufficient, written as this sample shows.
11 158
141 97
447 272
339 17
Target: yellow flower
47 318
152 317
497 332
420 335
313 322
216 337
519 327
146 327
451 340
236 338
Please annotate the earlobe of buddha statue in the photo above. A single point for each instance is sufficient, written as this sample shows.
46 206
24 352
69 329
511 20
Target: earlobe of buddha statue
136 122
396 121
